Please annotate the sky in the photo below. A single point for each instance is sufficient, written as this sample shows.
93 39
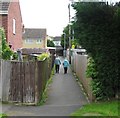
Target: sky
50 14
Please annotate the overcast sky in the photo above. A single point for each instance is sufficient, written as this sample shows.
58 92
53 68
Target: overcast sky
49 14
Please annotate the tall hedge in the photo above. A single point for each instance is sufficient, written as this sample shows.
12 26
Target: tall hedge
97 27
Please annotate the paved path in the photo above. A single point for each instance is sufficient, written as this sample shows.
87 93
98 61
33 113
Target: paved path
64 97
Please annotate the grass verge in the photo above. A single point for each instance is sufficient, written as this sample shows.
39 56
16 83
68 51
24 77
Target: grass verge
44 94
108 108
3 116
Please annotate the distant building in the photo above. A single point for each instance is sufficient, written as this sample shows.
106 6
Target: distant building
34 38
11 21
57 42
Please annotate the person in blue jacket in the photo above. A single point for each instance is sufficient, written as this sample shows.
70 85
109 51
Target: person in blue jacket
65 65
57 64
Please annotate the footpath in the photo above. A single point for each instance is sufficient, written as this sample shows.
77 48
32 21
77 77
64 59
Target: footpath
64 97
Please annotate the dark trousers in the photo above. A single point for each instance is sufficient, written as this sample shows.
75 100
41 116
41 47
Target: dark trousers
65 70
57 68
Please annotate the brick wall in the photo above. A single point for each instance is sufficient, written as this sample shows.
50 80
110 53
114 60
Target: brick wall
15 13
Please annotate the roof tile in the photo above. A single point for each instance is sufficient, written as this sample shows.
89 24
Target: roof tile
34 33
4 5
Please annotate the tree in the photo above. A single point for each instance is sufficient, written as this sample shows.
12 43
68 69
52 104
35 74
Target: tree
65 37
5 51
97 30
50 43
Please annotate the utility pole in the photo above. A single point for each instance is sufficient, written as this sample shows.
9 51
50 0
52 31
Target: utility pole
69 5
64 51
69 33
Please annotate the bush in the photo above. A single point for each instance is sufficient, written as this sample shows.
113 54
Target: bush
5 51
42 56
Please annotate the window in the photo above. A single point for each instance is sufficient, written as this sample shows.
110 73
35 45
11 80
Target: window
38 41
14 23
30 41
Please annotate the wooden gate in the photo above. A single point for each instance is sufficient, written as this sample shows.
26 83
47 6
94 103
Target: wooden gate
22 82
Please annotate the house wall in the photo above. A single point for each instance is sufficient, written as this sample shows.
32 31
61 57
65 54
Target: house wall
33 44
15 13
45 42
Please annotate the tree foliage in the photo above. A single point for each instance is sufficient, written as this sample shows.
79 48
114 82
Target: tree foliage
97 28
5 51
65 37
50 43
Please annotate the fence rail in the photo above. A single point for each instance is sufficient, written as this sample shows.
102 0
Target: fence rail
24 82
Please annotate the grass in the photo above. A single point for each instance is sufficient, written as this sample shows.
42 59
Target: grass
44 94
109 108
3 116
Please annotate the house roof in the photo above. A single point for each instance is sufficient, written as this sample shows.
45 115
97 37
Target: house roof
34 33
4 5
57 38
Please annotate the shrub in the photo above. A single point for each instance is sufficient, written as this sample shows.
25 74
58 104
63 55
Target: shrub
6 52
42 56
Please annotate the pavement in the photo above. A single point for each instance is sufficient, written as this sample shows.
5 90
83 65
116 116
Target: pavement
64 97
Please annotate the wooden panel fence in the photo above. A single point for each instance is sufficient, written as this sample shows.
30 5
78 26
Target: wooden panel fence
24 82
79 65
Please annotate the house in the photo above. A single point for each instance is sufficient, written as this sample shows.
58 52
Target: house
57 42
34 38
11 21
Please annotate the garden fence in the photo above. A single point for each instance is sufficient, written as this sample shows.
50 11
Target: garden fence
24 82
79 65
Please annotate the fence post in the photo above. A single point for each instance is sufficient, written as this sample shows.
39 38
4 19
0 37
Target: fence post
36 82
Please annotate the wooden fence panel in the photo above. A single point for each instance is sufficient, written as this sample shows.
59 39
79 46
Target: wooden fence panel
5 80
39 80
0 80
27 80
29 86
80 66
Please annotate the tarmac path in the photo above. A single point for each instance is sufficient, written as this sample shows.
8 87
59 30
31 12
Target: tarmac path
64 97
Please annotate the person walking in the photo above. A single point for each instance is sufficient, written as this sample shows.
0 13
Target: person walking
65 65
57 64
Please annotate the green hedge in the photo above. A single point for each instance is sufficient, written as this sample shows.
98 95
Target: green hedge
97 27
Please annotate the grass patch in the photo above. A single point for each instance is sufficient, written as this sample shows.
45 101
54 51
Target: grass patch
44 94
3 116
109 108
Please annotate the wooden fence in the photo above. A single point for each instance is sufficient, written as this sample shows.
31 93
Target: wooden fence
24 82
79 65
